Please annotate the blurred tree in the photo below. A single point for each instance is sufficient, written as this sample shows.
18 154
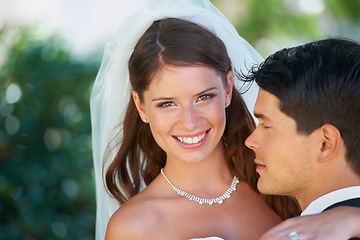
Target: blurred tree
340 9
46 177
273 24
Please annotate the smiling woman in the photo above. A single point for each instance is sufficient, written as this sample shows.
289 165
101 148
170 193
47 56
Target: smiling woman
183 131
184 89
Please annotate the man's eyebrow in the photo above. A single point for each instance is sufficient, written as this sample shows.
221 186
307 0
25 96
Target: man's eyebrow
261 116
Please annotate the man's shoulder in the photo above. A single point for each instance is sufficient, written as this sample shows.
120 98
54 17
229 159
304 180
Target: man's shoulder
354 202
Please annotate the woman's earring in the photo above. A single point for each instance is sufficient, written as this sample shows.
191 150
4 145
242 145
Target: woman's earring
226 104
145 120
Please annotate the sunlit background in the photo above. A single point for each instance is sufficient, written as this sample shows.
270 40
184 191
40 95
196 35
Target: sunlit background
50 51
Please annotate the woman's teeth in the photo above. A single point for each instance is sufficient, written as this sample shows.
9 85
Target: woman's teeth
188 140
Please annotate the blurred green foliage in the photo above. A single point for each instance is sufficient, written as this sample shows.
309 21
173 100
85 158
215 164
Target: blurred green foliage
46 180
270 25
47 188
344 10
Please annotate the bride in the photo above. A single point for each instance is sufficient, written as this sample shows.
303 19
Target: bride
169 120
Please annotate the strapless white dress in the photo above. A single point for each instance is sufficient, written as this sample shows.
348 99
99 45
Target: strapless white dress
208 238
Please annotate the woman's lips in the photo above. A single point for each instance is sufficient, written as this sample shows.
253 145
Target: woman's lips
192 141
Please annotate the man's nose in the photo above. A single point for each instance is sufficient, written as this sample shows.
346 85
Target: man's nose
251 142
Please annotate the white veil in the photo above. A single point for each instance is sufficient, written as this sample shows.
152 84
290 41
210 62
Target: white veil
111 89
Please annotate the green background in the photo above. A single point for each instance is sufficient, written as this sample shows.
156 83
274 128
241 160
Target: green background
46 176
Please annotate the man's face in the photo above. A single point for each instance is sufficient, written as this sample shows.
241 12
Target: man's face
284 157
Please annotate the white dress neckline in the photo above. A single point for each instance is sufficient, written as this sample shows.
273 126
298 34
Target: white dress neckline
208 238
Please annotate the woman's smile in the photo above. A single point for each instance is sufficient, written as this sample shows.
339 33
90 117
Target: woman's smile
192 141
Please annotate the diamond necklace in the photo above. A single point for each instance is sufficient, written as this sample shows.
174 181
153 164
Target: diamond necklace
199 200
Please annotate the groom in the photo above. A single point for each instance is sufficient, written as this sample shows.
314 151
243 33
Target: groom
307 143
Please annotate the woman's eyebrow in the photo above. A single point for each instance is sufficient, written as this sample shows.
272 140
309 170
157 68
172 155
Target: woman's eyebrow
206 90
171 98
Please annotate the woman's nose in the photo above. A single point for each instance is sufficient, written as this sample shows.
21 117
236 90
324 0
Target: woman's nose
189 118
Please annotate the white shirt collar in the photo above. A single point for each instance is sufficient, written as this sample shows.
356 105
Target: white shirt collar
325 201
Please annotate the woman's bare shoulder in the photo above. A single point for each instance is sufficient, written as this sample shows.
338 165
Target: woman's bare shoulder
135 219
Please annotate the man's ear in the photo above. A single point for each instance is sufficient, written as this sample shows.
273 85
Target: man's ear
331 142
229 87
139 106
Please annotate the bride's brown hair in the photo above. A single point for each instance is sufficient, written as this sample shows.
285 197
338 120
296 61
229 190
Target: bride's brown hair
176 42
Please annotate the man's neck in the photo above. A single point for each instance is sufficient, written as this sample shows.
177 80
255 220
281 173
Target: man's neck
330 177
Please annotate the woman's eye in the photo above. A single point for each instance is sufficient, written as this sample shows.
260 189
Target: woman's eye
166 104
205 97
264 125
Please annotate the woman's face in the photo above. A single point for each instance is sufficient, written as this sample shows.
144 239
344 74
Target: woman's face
185 108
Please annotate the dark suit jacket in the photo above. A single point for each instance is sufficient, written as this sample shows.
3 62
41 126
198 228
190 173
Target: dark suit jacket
351 202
